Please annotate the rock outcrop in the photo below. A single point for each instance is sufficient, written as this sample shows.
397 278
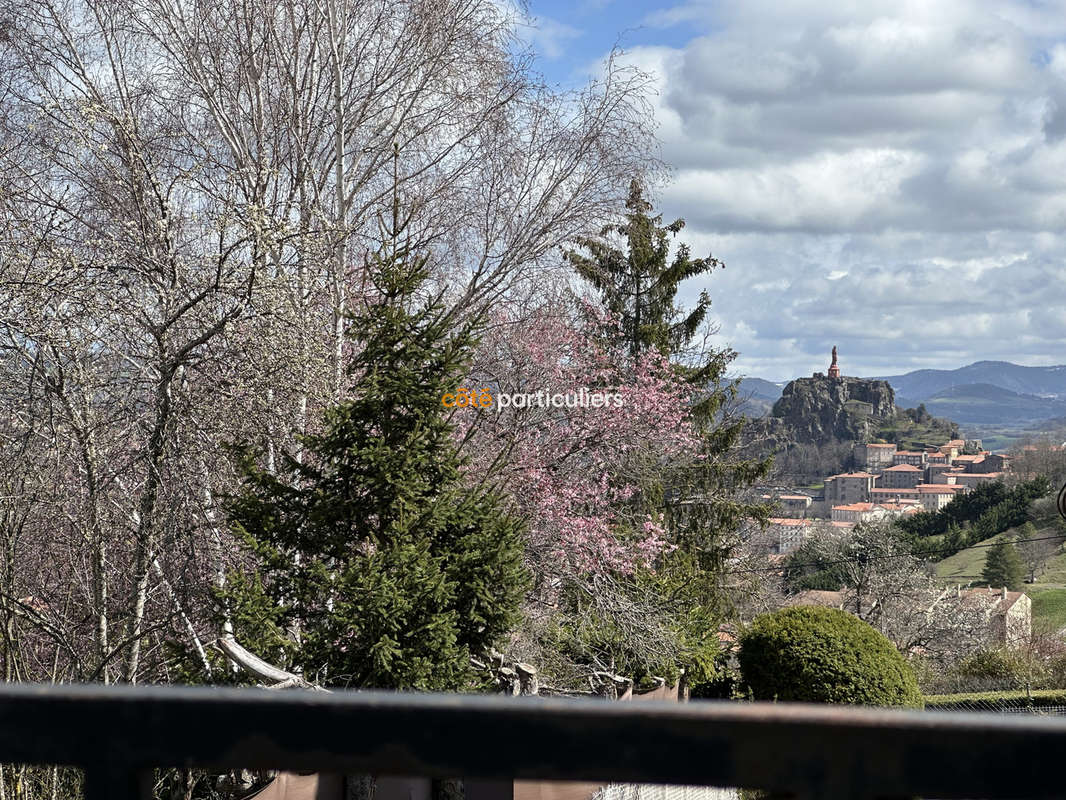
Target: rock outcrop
821 409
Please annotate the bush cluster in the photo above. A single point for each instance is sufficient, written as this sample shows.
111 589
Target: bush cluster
824 655
987 509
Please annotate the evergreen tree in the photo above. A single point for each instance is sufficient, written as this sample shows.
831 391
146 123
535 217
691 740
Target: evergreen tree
703 498
381 566
639 286
1003 566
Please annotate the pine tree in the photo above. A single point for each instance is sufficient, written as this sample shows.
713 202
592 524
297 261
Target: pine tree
639 286
703 497
1003 566
382 567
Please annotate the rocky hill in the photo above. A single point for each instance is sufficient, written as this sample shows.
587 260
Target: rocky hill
819 410
813 425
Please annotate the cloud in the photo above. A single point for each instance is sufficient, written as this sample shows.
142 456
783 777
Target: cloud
889 177
550 37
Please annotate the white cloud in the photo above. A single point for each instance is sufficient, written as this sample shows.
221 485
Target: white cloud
550 36
889 177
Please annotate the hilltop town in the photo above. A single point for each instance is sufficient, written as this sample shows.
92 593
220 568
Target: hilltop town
886 481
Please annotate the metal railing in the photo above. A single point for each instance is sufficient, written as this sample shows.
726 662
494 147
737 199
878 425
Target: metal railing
118 734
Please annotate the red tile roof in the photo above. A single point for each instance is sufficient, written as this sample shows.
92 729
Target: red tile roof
854 507
1000 604
904 468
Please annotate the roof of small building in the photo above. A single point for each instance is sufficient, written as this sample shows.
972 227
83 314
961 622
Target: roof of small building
910 452
852 475
817 597
887 506
1003 601
903 492
854 507
936 488
792 522
875 444
904 468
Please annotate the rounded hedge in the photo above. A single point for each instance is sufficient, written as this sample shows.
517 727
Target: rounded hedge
824 655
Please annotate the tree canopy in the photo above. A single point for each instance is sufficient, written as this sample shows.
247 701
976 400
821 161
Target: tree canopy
384 566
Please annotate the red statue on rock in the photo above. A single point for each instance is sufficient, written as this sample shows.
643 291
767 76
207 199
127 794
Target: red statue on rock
834 370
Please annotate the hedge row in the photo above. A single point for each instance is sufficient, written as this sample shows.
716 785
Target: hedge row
994 701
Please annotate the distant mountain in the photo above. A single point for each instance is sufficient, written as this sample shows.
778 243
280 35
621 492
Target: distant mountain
923 384
757 387
758 396
985 403
982 393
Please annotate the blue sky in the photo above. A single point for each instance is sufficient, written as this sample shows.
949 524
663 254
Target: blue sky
885 175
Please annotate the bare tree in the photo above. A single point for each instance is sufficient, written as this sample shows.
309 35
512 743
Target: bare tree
898 593
187 194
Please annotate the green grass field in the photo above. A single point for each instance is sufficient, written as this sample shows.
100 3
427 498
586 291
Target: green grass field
1049 606
966 565
1048 592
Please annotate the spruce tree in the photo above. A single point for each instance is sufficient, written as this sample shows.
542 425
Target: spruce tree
704 498
1003 566
639 286
380 566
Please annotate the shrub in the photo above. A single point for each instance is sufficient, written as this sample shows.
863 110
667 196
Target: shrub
995 701
824 655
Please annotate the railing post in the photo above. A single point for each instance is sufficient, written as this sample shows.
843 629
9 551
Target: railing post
115 782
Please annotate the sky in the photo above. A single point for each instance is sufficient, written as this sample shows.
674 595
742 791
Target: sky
887 177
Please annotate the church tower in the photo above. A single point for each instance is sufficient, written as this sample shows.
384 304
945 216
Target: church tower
834 370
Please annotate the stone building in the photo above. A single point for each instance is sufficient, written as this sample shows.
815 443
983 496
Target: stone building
935 496
1009 614
971 479
916 458
786 534
873 457
905 496
850 487
794 505
992 462
901 476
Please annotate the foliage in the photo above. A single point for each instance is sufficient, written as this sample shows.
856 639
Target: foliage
811 566
1049 606
573 472
658 612
379 562
702 495
987 509
639 286
1003 566
998 664
995 701
887 585
824 655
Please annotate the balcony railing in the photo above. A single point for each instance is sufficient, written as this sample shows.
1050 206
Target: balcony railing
118 734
